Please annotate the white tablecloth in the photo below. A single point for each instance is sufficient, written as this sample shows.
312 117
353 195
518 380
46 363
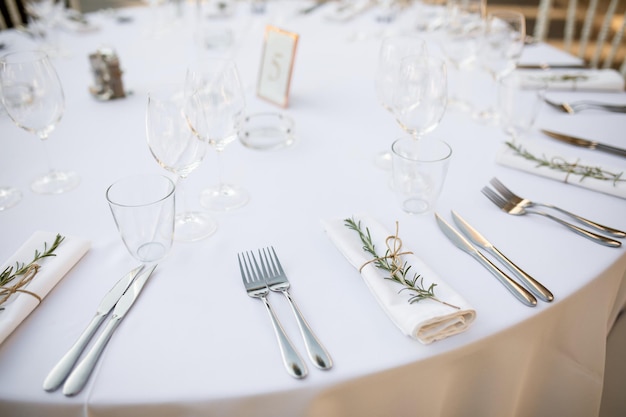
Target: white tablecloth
196 344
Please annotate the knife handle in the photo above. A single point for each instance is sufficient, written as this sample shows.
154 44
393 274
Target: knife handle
592 224
611 149
79 376
603 240
517 290
533 285
62 369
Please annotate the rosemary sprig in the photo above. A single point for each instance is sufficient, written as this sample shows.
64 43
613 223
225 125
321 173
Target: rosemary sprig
559 164
10 273
400 275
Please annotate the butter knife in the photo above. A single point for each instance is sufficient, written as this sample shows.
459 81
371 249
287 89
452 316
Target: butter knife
533 285
585 143
62 369
79 376
460 242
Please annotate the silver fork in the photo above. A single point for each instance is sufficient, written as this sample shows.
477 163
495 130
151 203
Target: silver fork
276 280
581 105
520 201
256 288
516 210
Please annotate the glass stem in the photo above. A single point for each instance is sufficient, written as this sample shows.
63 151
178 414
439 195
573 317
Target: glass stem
46 152
220 170
181 196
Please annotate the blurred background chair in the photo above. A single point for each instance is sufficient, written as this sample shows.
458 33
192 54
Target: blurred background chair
591 29
12 13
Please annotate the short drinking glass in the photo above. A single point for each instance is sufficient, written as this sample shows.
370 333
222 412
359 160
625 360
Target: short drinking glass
143 208
419 172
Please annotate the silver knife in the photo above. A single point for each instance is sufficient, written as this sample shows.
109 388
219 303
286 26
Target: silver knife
534 286
585 143
62 369
546 66
79 376
460 242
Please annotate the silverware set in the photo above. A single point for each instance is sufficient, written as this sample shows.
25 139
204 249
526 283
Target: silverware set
524 295
515 205
581 105
118 300
585 143
265 275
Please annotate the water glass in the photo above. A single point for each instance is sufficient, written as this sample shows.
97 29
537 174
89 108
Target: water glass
143 207
519 102
419 171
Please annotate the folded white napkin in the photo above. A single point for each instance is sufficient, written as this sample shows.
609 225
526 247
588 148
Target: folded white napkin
508 157
426 320
575 79
53 268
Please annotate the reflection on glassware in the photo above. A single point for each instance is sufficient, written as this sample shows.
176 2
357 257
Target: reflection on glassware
176 148
419 172
33 97
216 91
392 50
461 34
143 207
9 197
500 48
421 95
519 103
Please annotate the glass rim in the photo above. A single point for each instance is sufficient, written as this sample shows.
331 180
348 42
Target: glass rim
168 194
447 155
8 57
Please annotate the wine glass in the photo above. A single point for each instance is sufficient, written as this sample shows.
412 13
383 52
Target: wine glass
392 50
9 196
501 46
143 207
215 90
33 97
176 147
461 33
420 97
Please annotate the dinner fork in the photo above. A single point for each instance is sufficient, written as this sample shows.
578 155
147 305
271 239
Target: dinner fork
523 202
580 105
276 280
256 288
514 209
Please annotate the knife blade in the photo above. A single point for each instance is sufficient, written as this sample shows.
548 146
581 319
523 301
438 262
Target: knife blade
62 369
460 242
546 66
79 376
533 285
585 143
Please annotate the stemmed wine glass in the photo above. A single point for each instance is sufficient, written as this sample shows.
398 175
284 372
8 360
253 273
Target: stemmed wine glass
176 147
500 48
214 89
461 33
33 97
420 97
392 50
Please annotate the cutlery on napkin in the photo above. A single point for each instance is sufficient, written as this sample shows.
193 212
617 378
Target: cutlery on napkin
426 320
509 157
53 268
575 79
585 143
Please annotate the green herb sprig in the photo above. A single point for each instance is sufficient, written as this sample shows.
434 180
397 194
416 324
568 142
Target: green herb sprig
559 164
10 272
400 275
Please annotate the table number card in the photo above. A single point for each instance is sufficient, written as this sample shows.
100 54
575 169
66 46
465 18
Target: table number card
277 65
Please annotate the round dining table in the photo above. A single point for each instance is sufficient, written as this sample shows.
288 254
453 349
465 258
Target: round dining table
195 344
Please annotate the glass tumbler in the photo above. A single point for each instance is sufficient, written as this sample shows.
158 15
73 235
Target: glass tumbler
143 207
520 99
419 171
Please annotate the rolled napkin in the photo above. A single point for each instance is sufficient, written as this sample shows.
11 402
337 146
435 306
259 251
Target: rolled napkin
575 79
426 320
23 301
543 161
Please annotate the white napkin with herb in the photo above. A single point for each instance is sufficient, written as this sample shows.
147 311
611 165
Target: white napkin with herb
426 320
20 304
570 173
575 79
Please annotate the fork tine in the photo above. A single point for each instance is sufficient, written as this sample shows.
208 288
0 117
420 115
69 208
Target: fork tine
278 265
258 275
494 197
502 189
243 274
